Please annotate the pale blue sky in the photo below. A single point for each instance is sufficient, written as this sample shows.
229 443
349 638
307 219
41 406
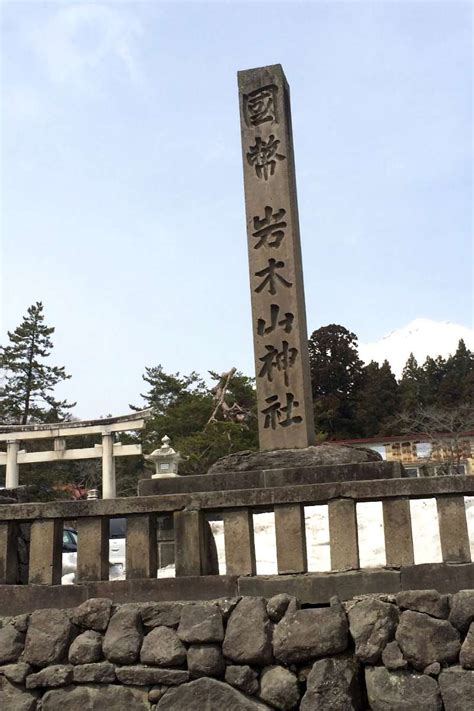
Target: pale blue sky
122 197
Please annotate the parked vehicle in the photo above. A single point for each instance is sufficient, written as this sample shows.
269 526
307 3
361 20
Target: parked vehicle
116 551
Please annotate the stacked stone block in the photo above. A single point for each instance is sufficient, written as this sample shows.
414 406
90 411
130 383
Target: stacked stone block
411 650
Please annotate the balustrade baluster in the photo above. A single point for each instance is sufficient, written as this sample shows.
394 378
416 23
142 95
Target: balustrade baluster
397 533
92 548
453 531
239 542
141 551
290 538
190 554
45 562
8 553
343 535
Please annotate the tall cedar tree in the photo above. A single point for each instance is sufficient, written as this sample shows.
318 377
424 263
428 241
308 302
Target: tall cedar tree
335 375
377 399
411 385
26 393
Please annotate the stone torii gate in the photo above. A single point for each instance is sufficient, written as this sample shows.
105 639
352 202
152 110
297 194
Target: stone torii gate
13 435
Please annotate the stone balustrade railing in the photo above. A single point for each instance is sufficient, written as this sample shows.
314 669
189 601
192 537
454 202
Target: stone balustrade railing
236 508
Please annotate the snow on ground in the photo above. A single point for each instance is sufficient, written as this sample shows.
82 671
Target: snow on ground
425 530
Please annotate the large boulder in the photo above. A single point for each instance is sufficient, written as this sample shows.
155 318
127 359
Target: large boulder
143 675
324 453
248 638
278 605
48 637
399 691
86 648
309 634
332 684
466 656
16 673
12 643
161 614
206 660
372 624
457 689
96 698
163 648
424 640
392 657
94 673
16 699
93 614
462 610
53 676
207 694
124 636
429 601
279 688
242 677
201 623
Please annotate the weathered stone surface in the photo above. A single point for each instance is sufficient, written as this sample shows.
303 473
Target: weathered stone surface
16 673
433 669
207 694
466 656
20 622
93 614
155 693
399 691
201 623
94 673
48 637
124 636
227 605
278 605
279 688
462 610
53 676
86 648
281 458
12 642
96 698
163 648
424 640
312 633
242 677
428 601
392 657
372 624
332 684
457 689
13 698
248 634
205 660
161 614
143 675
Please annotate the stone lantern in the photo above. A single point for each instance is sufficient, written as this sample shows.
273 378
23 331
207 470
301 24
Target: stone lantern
166 460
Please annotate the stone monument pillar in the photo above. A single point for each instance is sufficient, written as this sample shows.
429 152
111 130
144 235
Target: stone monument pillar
285 408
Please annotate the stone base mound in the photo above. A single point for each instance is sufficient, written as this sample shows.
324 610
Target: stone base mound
322 454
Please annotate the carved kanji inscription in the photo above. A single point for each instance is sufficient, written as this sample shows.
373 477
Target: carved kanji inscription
285 411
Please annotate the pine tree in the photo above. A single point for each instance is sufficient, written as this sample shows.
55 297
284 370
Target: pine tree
457 386
26 393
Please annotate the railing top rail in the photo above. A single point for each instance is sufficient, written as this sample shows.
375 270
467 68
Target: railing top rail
122 423
376 490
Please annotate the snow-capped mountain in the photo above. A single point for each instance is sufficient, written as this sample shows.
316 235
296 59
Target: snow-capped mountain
422 337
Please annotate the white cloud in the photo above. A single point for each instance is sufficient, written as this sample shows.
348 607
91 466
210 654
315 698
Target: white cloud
76 41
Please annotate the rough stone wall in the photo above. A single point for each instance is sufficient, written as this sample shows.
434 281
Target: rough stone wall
414 650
